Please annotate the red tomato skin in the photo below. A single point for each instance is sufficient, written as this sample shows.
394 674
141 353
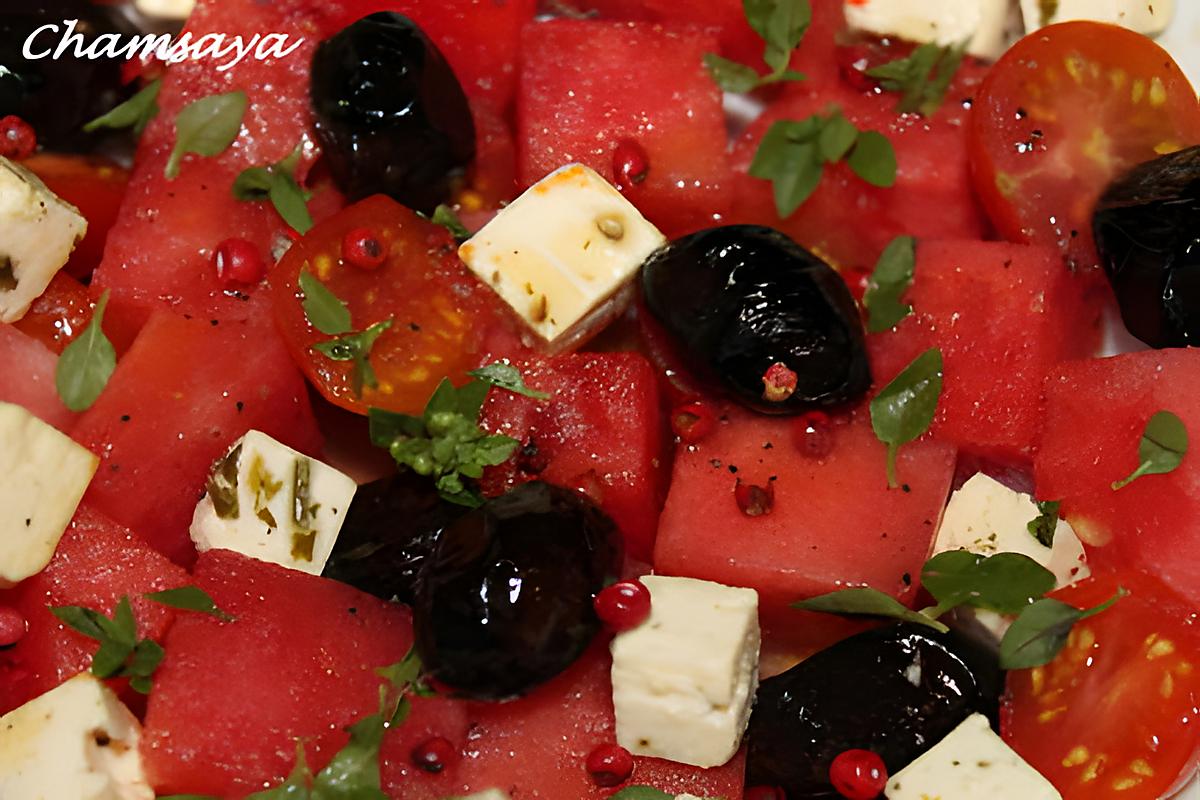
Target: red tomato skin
173 406
28 378
827 513
96 564
299 661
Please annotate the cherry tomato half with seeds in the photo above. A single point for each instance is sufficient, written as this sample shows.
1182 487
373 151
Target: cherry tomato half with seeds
1066 110
1114 715
443 320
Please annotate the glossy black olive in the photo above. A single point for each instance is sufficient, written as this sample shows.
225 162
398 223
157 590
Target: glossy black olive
389 532
58 95
390 114
896 691
741 298
505 601
1147 229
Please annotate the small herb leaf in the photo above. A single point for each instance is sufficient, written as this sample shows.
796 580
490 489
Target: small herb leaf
136 112
1163 446
507 377
206 127
867 602
444 215
905 408
277 183
1006 583
922 78
781 24
641 793
1043 526
356 347
1041 630
121 654
86 364
324 309
892 276
730 75
189 598
873 159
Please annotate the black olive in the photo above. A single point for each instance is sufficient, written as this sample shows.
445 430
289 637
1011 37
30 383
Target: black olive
504 603
390 114
1147 229
741 298
58 95
389 532
896 691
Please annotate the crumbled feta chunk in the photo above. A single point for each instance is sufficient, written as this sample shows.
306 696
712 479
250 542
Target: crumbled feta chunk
684 680
75 742
564 254
166 9
270 502
971 763
43 475
38 231
986 25
1150 17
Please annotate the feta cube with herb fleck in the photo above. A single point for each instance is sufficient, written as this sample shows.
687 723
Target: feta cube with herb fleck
76 742
684 680
270 502
564 255
971 763
986 26
38 231
43 475
1150 17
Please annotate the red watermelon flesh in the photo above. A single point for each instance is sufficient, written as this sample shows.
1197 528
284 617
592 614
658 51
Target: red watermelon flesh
185 391
28 378
96 563
299 661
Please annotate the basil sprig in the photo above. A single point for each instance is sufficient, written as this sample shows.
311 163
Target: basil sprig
277 183
121 653
1162 448
867 602
1043 526
892 276
922 78
189 598
904 409
781 24
329 315
86 363
444 215
1041 630
136 112
206 127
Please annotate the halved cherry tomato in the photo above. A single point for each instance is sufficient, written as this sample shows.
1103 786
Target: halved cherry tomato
443 319
1066 110
1115 714
93 185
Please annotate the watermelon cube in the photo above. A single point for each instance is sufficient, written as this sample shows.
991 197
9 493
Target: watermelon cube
298 662
97 563
600 432
832 522
1002 315
28 378
586 88
180 397
537 746
1095 413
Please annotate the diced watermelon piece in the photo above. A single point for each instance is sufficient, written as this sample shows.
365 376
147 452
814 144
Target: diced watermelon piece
581 95
536 747
299 661
97 562
1002 315
1096 411
848 221
834 523
159 252
493 176
28 378
600 432
180 397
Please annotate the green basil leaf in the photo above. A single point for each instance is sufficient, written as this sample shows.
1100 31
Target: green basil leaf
386 427
799 177
1006 583
641 793
353 773
1041 630
147 655
86 364
296 785
904 409
866 602
82 620
206 127
324 310
1043 526
922 78
1163 446
356 347
837 136
781 24
873 159
290 203
730 75
444 215
121 653
136 112
508 378
189 598
892 276
253 183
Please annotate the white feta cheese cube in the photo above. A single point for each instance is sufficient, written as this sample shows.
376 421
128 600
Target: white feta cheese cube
986 25
564 255
971 763
683 681
987 517
270 502
487 794
43 475
1150 17
75 742
38 231
166 9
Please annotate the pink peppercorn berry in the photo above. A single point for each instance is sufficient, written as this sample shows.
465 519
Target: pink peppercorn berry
434 754
238 263
609 765
623 606
858 774
361 248
17 138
